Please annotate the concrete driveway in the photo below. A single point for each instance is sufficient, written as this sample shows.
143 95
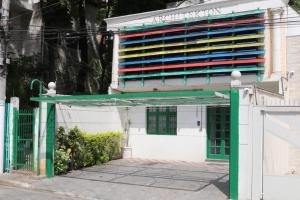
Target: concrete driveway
134 179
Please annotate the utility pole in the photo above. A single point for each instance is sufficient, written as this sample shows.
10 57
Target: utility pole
3 74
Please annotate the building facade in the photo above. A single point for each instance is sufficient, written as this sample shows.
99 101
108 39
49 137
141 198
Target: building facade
196 47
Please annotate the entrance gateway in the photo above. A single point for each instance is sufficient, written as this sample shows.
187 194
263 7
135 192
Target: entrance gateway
209 98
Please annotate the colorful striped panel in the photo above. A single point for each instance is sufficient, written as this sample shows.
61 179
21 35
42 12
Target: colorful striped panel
208 71
214 46
226 39
191 65
200 56
243 22
258 44
204 33
223 16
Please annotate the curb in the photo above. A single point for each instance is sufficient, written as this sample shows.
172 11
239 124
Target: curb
15 184
18 184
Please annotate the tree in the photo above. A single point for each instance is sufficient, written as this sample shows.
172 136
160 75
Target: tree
295 4
136 6
67 43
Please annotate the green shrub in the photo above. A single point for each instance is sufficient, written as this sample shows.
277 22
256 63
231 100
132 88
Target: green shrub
76 149
61 161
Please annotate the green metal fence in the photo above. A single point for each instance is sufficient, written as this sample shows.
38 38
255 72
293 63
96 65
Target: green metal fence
7 139
23 140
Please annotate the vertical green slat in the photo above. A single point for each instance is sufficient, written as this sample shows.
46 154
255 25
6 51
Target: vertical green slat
222 144
234 143
33 139
208 116
50 140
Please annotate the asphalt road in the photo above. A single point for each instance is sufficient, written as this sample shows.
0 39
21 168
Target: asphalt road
14 193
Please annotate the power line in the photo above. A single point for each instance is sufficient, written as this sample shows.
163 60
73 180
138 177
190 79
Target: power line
98 31
75 34
29 12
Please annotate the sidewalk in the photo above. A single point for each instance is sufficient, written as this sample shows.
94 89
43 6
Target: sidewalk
35 183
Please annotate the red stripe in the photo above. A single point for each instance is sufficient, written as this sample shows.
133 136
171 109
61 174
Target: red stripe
190 65
243 21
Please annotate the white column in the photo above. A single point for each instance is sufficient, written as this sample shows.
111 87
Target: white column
14 103
115 63
276 43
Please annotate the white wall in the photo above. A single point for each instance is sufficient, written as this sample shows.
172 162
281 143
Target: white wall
245 146
89 119
189 144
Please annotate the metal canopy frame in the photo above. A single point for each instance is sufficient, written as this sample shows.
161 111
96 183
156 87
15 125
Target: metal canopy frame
217 98
143 99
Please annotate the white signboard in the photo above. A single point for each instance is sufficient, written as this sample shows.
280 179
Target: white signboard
186 15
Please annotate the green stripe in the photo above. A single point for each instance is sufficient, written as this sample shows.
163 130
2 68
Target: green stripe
209 71
222 16
50 140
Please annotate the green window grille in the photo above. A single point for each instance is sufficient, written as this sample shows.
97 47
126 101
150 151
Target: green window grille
162 120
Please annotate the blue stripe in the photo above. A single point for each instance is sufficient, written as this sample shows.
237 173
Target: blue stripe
231 30
213 55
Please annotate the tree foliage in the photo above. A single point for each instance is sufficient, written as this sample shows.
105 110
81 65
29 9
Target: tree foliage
68 56
295 4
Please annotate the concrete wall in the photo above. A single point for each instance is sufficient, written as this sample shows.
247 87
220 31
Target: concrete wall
268 151
189 144
293 64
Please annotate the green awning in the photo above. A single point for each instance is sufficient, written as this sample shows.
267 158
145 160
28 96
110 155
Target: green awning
142 99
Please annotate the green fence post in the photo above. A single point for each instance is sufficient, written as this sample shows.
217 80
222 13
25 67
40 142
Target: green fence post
234 144
15 132
50 140
7 139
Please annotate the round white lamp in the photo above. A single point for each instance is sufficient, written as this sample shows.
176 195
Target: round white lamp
236 78
51 89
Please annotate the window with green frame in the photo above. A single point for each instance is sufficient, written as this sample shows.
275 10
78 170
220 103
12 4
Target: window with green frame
162 120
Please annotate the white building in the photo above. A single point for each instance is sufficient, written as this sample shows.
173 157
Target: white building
196 47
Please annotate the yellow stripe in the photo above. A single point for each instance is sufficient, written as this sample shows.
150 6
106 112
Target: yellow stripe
193 42
192 50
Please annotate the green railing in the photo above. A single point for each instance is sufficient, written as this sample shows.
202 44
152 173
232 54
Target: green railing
23 140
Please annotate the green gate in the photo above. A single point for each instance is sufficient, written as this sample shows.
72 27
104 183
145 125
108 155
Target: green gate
23 140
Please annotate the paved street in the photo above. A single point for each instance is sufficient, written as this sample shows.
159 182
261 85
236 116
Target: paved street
14 193
133 179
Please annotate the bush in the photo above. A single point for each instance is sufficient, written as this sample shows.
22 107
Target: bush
61 161
76 149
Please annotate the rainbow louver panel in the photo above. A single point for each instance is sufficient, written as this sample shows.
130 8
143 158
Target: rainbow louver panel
214 46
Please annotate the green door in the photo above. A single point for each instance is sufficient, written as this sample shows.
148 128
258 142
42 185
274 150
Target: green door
218 133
